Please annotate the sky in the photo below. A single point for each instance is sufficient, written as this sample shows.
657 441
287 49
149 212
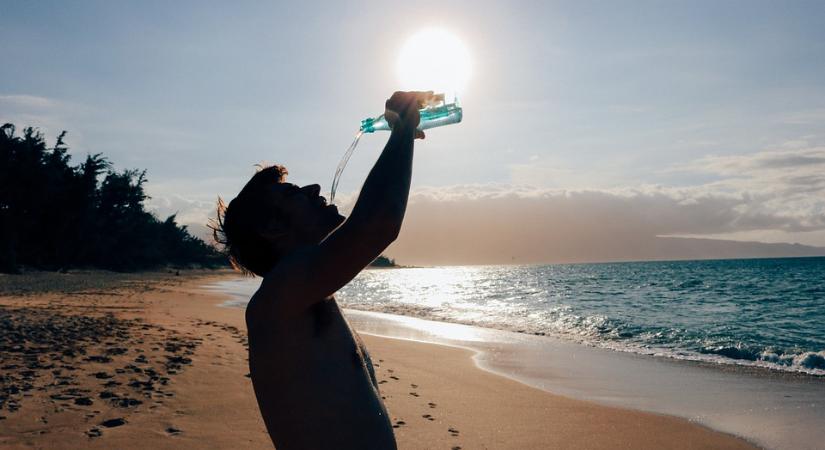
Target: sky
610 124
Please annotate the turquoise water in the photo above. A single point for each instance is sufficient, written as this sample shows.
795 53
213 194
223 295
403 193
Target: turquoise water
763 312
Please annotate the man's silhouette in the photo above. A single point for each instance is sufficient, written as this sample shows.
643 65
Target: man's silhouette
312 376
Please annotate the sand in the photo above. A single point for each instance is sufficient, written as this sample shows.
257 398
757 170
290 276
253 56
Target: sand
101 360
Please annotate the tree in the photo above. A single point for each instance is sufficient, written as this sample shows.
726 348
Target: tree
54 215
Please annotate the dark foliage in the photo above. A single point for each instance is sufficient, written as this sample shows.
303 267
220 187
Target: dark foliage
56 216
383 261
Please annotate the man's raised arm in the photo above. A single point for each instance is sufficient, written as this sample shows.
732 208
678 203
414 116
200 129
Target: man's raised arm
319 271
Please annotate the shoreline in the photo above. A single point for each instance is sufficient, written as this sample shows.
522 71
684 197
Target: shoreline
756 368
238 299
437 396
775 409
778 410
501 412
446 335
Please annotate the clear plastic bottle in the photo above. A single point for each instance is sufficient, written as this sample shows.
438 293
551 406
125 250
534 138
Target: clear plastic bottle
436 113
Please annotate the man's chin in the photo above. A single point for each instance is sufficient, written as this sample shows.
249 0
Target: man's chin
334 221
336 218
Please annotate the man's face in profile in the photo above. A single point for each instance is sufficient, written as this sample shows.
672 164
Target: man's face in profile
307 215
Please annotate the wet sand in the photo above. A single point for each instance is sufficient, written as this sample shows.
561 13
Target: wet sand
101 360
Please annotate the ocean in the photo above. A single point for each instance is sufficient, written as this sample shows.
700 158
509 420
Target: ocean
756 312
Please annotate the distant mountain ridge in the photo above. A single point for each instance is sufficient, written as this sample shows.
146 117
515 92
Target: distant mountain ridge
615 250
451 252
699 248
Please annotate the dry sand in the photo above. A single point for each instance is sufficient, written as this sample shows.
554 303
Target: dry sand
99 360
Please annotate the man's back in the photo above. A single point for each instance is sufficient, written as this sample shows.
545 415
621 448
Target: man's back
314 382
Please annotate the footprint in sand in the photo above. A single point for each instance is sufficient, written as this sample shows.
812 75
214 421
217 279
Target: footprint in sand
428 417
111 423
453 431
395 377
431 405
414 394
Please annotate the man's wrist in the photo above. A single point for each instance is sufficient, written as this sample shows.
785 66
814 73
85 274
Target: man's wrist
403 129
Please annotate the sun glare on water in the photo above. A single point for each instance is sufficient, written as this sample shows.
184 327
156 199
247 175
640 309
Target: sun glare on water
434 60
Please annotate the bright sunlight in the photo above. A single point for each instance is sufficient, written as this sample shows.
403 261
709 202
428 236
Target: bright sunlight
434 59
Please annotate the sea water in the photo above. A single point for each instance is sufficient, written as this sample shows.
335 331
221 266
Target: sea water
757 312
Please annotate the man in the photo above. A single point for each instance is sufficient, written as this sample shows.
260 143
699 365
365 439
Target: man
313 378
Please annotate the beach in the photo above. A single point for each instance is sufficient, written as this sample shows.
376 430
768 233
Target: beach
153 360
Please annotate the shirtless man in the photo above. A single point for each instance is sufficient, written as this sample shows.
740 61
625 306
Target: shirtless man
312 376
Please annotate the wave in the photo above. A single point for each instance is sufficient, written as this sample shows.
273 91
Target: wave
603 332
748 313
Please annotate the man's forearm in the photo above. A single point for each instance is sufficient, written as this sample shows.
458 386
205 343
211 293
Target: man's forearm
383 198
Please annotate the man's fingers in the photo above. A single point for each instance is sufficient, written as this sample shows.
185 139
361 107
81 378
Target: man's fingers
401 100
404 106
424 97
391 116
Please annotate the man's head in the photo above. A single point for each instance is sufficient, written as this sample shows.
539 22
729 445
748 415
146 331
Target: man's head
269 218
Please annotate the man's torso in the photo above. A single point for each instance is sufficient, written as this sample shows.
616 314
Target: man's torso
321 378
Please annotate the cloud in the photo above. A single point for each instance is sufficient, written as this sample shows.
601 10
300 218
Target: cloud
49 115
788 184
26 102
497 224
812 116
187 210
192 212
771 195
761 163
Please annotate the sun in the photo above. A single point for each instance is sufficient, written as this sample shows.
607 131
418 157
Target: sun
434 59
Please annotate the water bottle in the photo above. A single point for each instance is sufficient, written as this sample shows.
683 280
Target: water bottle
435 113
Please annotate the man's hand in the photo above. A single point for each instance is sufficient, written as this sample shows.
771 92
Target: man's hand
402 111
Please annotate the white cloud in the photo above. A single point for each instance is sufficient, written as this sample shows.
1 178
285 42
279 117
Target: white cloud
660 210
49 115
483 224
811 116
787 184
770 162
27 102
771 196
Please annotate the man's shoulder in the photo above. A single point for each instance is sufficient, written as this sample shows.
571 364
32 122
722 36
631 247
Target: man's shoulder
289 269
280 294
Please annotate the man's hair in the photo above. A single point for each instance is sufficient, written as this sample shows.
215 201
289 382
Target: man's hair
239 225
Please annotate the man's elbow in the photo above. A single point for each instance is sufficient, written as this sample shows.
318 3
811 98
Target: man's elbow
392 234
384 233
